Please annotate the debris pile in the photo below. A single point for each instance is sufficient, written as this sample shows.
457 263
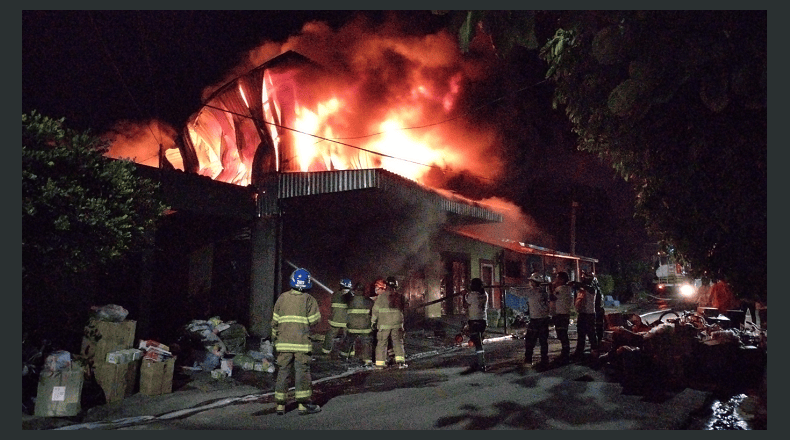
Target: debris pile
689 347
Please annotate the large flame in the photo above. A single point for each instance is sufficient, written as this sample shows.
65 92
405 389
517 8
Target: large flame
385 99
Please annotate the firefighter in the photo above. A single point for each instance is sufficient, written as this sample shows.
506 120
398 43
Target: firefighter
563 301
476 300
387 319
337 321
538 327
295 312
358 328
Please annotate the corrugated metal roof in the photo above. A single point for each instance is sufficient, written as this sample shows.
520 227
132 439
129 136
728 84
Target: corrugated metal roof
522 248
325 182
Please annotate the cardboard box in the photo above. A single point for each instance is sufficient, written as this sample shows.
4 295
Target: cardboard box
146 344
117 380
102 337
124 356
59 393
157 377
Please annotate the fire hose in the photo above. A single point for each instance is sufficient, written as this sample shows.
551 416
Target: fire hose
318 283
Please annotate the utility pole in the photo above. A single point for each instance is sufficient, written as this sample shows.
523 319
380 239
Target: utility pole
574 205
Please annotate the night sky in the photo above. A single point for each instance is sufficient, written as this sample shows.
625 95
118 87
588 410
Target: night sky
95 68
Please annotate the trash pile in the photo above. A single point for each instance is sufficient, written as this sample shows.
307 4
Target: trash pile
688 348
219 346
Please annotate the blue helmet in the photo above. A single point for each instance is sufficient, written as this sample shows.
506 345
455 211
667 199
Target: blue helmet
345 282
300 279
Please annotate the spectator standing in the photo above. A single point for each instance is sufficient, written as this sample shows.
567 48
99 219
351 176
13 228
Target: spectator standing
387 318
476 300
359 328
561 316
295 312
538 327
337 321
585 326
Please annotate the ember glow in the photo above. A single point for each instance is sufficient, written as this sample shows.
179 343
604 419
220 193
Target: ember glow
357 97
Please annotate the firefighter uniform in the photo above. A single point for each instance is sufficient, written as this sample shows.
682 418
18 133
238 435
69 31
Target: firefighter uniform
387 318
337 321
295 312
358 328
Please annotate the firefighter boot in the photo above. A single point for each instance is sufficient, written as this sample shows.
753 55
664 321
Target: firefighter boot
481 362
308 408
280 409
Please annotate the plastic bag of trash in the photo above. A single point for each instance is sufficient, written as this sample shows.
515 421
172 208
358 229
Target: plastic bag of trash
110 312
59 360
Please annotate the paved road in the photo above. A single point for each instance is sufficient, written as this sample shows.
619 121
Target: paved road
433 393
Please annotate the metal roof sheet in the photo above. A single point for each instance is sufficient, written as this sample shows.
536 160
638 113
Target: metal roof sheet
326 182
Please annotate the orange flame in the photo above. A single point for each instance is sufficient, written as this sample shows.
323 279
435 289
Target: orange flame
386 99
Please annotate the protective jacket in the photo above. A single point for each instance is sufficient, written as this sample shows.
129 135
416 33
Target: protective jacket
358 317
340 307
387 311
294 313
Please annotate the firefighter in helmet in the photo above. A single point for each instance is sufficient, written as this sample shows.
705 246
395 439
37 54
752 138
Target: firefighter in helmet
337 321
295 312
358 328
387 319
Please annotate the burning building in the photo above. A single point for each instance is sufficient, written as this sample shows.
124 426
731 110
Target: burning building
296 186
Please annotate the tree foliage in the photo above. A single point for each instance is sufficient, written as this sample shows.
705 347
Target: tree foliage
80 210
676 101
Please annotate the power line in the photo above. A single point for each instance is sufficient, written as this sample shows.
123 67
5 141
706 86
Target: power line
336 141
321 137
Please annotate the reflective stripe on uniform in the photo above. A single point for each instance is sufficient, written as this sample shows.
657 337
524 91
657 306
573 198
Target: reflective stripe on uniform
296 319
359 331
303 394
301 348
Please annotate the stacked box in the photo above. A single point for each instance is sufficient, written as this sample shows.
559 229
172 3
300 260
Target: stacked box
117 380
103 337
157 377
124 356
59 393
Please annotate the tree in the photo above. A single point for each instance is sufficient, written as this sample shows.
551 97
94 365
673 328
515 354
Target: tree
80 211
676 102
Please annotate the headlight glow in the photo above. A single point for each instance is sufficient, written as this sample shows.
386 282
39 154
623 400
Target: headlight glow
687 290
